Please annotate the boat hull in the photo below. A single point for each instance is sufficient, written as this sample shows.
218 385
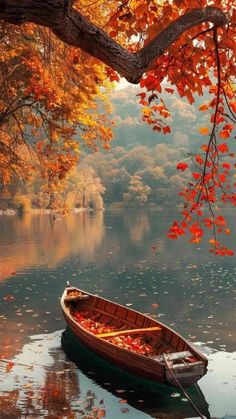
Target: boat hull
156 396
146 367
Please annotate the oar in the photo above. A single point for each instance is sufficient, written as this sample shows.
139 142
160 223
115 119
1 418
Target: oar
128 332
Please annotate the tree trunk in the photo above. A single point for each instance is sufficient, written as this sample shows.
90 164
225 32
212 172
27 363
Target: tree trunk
74 29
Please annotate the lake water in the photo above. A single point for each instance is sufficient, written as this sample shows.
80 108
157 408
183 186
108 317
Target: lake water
122 256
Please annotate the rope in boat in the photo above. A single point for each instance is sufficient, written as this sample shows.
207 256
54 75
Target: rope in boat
181 387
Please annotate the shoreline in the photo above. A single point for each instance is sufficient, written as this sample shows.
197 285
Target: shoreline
42 211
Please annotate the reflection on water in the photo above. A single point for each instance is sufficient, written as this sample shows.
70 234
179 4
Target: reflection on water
124 257
47 383
50 381
34 240
156 399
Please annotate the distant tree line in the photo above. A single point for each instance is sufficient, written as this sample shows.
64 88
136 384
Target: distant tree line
140 176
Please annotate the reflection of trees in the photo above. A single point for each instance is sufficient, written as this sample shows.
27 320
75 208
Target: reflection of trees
57 396
137 226
8 405
157 400
60 394
75 235
61 386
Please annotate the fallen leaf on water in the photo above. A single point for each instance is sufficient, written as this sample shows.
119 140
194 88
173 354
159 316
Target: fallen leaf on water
124 410
28 385
101 413
9 298
9 366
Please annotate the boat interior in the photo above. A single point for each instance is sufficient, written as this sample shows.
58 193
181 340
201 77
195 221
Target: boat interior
113 320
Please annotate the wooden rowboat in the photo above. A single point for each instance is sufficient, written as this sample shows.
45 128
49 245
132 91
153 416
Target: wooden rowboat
131 340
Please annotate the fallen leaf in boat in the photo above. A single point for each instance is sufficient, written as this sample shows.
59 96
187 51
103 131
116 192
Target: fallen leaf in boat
123 401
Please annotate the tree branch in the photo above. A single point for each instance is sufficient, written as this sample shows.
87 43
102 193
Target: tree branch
74 29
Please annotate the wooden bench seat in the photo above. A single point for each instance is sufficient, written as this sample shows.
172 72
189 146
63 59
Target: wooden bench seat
172 356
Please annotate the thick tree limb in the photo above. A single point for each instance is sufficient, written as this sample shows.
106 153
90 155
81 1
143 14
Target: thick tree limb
74 29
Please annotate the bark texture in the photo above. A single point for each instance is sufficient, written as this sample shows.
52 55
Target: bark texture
74 29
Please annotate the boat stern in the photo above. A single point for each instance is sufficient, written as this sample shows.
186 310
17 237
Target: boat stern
185 374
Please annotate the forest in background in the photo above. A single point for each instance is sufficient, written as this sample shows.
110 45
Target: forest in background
140 168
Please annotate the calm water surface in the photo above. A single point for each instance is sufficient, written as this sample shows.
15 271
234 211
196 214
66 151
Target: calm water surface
125 257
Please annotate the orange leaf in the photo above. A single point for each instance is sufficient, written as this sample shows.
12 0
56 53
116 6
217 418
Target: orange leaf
166 130
230 127
204 147
204 130
208 222
233 106
223 148
168 90
9 366
195 240
203 108
196 175
182 166
199 159
226 166
224 134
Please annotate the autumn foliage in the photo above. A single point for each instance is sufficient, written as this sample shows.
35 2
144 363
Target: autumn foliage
133 343
201 62
53 93
50 106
